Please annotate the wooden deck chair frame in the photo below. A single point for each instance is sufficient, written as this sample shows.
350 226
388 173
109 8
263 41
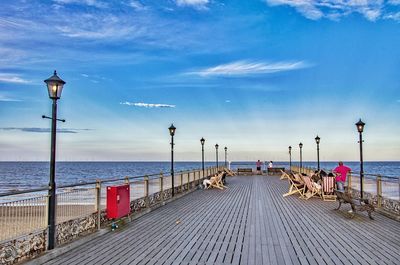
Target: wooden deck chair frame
312 190
216 181
219 179
328 189
296 186
284 175
229 172
212 182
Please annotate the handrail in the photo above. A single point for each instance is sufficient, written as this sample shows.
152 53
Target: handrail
46 188
354 173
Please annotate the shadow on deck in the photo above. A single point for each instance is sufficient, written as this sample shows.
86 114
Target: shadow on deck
248 223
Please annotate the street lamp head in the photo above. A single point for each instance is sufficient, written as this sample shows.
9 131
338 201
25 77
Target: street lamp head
317 139
360 126
290 148
54 86
216 146
172 130
202 141
226 148
300 145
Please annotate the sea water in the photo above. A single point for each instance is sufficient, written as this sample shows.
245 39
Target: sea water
19 176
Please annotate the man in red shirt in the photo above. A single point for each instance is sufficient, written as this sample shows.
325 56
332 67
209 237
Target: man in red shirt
341 174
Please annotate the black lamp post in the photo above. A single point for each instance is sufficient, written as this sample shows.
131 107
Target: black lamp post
226 155
54 87
317 140
172 133
290 158
360 128
202 141
216 154
301 157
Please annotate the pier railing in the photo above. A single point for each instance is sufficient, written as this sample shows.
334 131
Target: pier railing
383 191
81 209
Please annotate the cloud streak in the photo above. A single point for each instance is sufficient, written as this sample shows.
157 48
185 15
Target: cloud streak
8 99
197 4
41 130
240 68
11 78
94 3
393 16
335 9
147 105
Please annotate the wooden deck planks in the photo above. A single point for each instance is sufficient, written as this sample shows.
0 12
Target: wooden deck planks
248 223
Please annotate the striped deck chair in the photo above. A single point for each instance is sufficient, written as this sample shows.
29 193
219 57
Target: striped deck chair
328 188
296 185
284 175
313 189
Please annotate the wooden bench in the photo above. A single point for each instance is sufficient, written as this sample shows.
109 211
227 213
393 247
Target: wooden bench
358 204
245 171
275 170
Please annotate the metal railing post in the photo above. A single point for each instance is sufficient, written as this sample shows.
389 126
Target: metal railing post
98 203
188 181
46 216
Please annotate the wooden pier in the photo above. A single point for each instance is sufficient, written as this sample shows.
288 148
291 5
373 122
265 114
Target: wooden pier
247 223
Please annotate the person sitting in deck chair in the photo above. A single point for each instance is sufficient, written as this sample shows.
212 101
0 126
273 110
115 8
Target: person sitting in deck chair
207 182
223 178
214 181
318 175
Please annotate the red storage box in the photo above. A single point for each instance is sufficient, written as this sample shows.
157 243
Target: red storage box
118 201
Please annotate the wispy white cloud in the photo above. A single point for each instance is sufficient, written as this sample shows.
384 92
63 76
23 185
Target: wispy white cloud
41 130
95 78
198 4
11 23
227 101
393 16
147 105
8 99
248 68
334 9
11 78
92 26
94 3
137 5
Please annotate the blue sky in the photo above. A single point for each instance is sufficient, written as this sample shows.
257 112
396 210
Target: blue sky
255 76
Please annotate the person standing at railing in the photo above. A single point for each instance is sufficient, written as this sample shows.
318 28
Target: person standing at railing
341 175
258 165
